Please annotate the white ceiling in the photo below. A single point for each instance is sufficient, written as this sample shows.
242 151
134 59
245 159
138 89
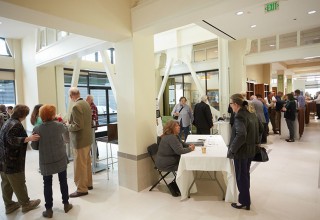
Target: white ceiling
291 16
15 29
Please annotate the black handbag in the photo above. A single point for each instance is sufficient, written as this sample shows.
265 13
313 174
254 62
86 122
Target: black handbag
176 117
261 155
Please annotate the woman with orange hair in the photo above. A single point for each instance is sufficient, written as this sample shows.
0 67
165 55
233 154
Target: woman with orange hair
52 156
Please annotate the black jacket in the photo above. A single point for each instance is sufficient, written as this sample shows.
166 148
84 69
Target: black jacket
202 117
291 110
245 134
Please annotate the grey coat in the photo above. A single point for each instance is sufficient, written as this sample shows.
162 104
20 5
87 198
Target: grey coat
169 152
80 125
52 149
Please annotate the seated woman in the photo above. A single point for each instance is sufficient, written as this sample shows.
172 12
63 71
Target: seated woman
169 151
52 156
171 147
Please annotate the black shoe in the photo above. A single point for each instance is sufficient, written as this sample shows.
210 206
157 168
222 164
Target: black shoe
289 140
173 189
90 187
235 205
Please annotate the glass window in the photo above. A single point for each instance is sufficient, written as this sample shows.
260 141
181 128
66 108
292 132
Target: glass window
4 51
112 102
83 80
98 80
7 92
99 87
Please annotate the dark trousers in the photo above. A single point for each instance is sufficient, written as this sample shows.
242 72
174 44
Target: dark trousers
203 131
272 117
47 181
290 125
185 131
318 110
264 133
242 168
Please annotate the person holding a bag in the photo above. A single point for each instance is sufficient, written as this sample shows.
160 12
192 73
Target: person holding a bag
183 114
245 135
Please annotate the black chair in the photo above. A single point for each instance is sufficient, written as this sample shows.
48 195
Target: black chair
152 151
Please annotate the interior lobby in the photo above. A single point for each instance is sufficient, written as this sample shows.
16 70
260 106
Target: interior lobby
141 49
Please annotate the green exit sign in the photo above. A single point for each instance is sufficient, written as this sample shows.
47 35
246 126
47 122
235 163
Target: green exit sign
271 6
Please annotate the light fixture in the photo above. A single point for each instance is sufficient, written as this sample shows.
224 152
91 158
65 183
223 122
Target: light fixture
306 58
253 26
271 45
0 22
311 12
239 13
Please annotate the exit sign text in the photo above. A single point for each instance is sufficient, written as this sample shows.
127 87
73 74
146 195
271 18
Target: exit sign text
271 6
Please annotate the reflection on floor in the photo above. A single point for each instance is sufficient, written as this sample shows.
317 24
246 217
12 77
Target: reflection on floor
285 188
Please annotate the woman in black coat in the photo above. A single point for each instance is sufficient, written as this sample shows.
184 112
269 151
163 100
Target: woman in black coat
246 131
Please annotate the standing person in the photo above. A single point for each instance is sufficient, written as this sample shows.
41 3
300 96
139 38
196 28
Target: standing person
265 125
279 105
230 111
35 118
270 102
9 110
242 148
185 117
259 108
301 101
3 115
94 110
202 117
317 100
81 140
13 147
52 156
290 115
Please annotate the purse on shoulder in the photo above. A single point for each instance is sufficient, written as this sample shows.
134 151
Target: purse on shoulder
176 117
261 155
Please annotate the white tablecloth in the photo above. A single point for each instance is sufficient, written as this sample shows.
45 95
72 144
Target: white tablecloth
224 129
214 160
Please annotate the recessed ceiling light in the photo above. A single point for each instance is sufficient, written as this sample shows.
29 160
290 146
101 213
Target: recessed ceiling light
271 45
253 26
311 12
0 22
306 58
239 13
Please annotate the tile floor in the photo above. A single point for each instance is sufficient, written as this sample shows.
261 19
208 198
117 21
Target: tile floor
285 188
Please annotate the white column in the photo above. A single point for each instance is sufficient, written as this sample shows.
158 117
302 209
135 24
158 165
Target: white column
224 91
109 68
136 109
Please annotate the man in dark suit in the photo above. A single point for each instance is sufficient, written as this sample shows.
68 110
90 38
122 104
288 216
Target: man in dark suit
202 116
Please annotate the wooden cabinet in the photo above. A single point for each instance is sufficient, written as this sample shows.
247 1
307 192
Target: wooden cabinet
250 89
261 89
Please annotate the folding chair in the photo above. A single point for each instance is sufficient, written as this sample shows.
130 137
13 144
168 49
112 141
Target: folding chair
152 150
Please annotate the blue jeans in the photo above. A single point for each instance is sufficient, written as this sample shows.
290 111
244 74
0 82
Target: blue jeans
47 181
185 131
